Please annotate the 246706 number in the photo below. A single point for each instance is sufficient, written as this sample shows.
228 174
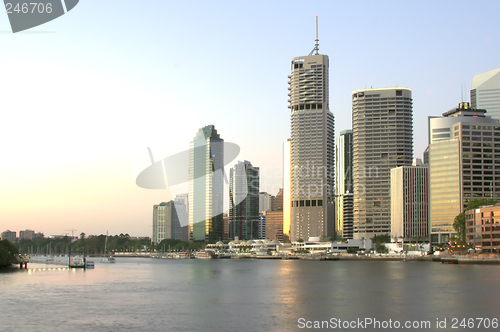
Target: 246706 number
474 323
25 8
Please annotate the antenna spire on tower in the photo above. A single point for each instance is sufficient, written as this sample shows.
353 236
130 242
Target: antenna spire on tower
316 44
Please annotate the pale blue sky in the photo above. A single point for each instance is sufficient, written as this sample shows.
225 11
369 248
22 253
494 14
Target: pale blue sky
81 102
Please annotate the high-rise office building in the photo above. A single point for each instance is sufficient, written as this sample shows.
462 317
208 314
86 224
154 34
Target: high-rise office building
183 199
410 201
348 214
462 159
226 221
265 201
286 189
312 148
181 203
278 201
485 92
262 225
382 140
274 225
206 174
244 201
166 223
343 183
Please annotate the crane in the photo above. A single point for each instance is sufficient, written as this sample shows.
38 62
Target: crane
72 231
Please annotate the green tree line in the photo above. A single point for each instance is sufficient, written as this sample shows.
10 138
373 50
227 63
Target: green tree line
92 245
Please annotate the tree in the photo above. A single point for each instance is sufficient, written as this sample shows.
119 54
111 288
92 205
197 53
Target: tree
459 222
7 253
384 238
459 226
380 248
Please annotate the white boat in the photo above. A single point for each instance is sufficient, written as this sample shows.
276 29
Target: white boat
182 255
107 258
203 254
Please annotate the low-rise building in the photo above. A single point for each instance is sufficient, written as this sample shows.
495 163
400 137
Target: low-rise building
274 224
483 228
27 234
8 235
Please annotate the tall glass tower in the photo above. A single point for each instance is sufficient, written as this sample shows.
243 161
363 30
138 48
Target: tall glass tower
244 200
206 174
312 157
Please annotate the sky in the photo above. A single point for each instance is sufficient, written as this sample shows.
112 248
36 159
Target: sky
85 95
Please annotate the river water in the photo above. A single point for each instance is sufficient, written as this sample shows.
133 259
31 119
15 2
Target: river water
143 294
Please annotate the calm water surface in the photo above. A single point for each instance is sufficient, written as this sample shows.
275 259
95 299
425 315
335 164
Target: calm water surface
142 294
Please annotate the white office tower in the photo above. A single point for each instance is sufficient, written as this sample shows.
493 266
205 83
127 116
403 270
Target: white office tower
382 121
485 92
265 201
410 202
312 148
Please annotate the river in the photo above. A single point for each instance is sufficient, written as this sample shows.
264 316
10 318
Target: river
144 294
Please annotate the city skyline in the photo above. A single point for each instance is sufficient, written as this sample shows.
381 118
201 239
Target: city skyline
85 100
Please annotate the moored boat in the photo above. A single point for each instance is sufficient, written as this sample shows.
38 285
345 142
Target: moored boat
182 255
204 254
107 258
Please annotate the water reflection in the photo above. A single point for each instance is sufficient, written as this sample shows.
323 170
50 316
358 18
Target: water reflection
257 295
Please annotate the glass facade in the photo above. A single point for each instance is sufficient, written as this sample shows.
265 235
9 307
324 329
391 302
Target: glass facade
244 200
343 184
462 168
206 174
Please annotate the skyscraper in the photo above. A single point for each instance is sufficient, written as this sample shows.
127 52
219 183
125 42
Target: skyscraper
244 201
166 223
181 203
206 174
343 184
485 92
265 201
462 163
382 139
312 148
410 201
286 189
